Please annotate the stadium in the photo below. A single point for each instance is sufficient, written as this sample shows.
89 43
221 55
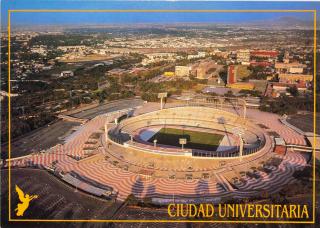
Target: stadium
184 153
209 132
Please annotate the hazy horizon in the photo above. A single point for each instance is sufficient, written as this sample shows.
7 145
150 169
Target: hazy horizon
61 18
276 23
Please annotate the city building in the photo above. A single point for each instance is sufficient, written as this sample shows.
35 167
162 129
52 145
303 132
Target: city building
293 78
66 73
199 55
39 49
275 89
264 54
260 63
231 74
158 57
182 71
243 57
169 74
137 70
294 68
241 85
72 48
237 73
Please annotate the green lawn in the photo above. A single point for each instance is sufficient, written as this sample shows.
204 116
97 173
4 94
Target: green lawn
195 139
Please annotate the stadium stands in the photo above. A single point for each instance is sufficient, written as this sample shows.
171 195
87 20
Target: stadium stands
137 168
201 118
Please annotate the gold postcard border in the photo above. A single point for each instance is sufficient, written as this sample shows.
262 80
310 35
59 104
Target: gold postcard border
164 11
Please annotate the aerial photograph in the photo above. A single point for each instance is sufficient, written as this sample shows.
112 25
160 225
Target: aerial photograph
159 113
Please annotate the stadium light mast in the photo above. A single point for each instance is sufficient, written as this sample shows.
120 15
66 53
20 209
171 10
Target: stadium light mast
244 109
182 142
239 131
241 146
106 131
161 96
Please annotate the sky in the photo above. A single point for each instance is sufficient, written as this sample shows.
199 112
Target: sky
20 19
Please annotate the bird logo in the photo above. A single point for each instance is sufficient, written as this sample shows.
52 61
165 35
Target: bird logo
25 200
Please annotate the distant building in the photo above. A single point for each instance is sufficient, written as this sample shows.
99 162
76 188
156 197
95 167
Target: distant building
71 48
284 68
231 74
158 57
223 54
296 70
182 71
242 85
200 54
280 146
293 78
236 73
169 74
243 56
264 54
287 58
137 70
47 67
67 73
262 63
275 89
40 49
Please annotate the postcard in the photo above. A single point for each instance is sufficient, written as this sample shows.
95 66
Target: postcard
159 113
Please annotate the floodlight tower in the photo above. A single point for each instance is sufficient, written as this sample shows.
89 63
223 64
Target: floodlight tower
182 142
161 96
106 131
241 146
244 109
239 131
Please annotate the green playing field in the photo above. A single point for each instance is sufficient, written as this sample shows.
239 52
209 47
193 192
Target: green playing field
195 139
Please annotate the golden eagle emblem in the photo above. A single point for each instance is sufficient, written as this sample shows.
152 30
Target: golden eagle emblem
25 200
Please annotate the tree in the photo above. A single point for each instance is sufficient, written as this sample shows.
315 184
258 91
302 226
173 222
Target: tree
224 75
149 97
102 95
293 91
